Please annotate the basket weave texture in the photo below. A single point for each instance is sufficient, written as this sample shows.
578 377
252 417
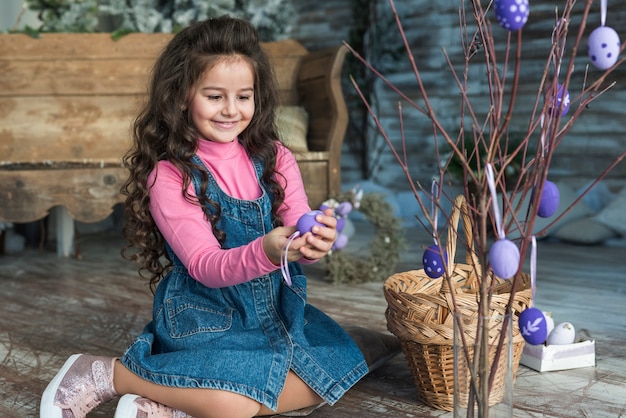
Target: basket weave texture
420 312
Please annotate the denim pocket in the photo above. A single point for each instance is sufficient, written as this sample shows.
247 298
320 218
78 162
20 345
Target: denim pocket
185 318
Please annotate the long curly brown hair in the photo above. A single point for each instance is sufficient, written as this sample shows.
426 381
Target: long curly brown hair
164 131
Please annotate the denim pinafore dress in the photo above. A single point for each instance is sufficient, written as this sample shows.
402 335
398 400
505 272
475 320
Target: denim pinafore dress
243 338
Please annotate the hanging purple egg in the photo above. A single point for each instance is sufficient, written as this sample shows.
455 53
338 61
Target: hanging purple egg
307 221
512 15
562 99
603 47
550 198
533 326
504 258
340 242
433 263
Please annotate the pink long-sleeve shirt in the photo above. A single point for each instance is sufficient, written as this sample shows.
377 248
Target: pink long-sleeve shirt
190 236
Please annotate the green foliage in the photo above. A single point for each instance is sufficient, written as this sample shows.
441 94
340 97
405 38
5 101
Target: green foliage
384 248
66 15
272 18
474 149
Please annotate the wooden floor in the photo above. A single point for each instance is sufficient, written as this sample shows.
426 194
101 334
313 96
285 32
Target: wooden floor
52 308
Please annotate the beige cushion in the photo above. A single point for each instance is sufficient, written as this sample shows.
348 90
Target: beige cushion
614 214
584 231
292 123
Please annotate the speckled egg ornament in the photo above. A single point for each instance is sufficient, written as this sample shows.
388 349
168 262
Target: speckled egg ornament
533 325
307 221
603 47
504 258
433 263
512 15
550 198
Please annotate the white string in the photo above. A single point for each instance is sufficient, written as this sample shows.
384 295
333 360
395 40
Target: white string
284 259
494 199
434 191
533 269
558 64
603 12
542 138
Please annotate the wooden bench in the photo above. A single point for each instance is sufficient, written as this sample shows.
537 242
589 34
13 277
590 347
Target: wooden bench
67 102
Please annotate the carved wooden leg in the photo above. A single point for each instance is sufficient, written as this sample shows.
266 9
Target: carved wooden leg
64 227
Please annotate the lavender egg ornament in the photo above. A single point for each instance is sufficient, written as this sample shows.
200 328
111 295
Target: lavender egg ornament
307 221
533 325
512 15
504 258
343 208
340 242
603 47
433 263
341 223
549 202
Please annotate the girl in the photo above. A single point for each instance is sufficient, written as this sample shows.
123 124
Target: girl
209 194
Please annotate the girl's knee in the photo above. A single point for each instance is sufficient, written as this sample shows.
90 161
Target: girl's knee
224 404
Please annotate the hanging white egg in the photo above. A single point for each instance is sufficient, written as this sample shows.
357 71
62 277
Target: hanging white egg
512 15
433 262
504 258
603 47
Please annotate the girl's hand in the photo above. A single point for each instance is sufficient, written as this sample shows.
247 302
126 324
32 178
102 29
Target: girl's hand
321 240
313 245
274 243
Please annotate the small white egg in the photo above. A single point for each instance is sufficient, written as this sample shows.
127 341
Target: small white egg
549 321
562 334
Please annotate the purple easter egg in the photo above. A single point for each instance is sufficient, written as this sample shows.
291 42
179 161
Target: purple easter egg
504 258
511 15
433 263
603 47
307 221
549 202
533 326
341 223
340 242
343 208
562 99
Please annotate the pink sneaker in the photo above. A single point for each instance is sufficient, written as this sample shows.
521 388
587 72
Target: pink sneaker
134 406
83 383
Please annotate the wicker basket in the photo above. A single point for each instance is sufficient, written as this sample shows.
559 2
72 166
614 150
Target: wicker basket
420 313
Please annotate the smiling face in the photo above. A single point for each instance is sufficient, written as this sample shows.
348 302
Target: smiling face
222 105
